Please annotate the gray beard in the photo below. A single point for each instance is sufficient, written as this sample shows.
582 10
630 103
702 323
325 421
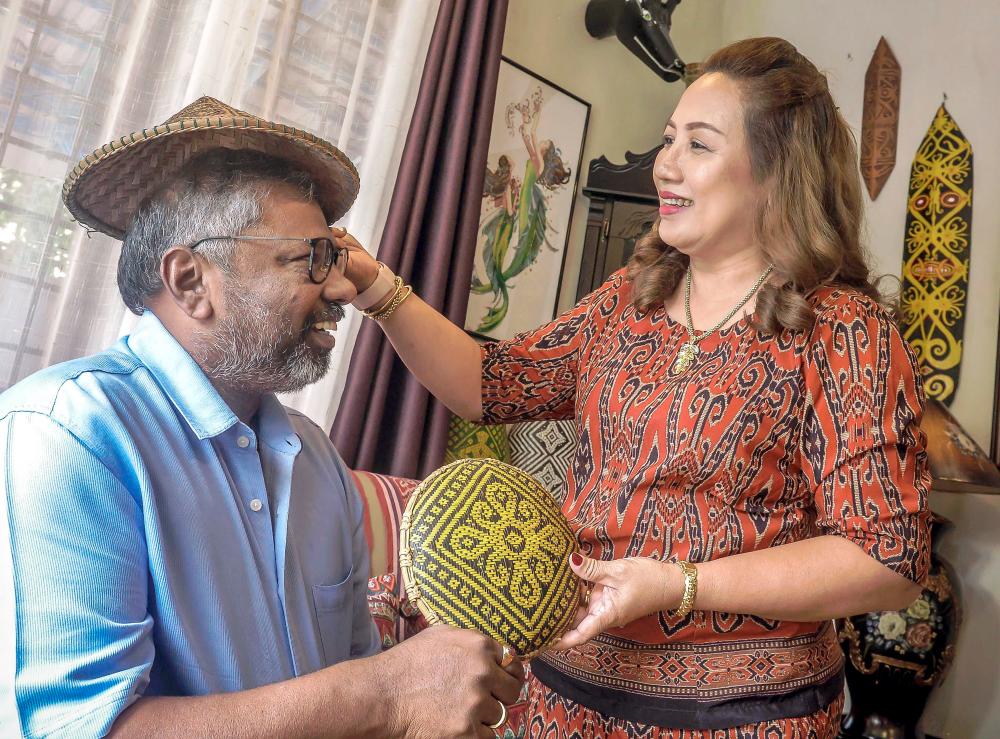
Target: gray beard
251 352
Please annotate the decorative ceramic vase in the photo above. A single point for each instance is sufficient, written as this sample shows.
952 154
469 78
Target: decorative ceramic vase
895 658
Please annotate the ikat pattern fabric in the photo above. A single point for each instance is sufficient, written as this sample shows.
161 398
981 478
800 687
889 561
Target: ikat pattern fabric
766 440
545 450
552 716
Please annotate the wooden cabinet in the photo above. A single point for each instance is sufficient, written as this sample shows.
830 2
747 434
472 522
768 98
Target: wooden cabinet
623 207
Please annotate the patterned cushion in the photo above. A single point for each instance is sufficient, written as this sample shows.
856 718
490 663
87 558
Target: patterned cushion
384 498
468 439
544 449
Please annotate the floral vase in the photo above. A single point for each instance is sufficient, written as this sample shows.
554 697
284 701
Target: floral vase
895 658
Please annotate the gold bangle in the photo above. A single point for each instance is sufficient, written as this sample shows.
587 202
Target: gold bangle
406 292
690 587
374 312
389 308
386 309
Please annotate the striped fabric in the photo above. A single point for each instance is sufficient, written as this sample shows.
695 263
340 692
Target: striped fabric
384 498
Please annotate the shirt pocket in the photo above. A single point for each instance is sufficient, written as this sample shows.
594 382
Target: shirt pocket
334 610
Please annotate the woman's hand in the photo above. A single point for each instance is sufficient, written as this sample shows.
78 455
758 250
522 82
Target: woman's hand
361 266
623 590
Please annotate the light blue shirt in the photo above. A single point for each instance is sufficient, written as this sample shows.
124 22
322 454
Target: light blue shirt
152 544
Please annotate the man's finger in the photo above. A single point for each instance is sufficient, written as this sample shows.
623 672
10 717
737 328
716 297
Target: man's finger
506 688
515 669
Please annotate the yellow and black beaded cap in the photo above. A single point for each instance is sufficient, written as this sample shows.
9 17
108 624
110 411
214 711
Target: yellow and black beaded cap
484 546
104 190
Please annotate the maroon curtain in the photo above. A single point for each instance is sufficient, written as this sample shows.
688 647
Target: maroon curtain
387 422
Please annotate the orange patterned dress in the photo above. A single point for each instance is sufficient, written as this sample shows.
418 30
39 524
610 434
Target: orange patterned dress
767 439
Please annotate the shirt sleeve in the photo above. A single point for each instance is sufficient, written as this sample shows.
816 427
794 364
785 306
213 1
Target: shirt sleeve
73 585
863 449
534 375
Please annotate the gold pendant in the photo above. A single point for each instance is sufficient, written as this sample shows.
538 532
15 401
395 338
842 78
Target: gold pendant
685 358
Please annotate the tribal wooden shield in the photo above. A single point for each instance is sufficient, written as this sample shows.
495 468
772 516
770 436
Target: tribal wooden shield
484 546
880 119
936 254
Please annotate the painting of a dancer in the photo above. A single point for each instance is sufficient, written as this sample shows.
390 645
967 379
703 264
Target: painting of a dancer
528 194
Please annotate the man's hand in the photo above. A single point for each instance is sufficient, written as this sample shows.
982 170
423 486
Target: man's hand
447 682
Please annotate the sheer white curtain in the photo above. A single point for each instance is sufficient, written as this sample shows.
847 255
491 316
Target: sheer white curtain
76 73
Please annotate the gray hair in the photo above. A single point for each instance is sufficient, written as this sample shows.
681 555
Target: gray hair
218 193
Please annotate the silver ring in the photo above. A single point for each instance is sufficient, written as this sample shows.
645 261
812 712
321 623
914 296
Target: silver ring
503 717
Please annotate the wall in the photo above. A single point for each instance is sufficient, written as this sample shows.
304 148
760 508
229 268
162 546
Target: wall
629 103
942 48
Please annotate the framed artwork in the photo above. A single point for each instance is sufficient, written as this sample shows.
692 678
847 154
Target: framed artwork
532 172
995 436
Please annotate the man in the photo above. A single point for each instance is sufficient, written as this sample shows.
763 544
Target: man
179 554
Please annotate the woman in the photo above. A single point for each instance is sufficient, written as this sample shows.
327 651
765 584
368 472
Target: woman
750 464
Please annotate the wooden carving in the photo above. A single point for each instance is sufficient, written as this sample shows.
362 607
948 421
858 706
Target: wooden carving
880 119
936 252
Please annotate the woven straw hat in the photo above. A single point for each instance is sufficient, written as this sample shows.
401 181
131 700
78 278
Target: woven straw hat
106 187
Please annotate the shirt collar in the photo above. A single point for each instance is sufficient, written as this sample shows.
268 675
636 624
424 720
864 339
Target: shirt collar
180 377
274 427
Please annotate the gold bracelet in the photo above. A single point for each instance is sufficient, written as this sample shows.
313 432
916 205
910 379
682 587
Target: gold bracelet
389 308
690 587
396 299
406 292
374 312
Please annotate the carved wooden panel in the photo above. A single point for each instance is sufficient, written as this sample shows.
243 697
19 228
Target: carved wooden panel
880 119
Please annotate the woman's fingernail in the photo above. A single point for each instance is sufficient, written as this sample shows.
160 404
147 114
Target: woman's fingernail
576 559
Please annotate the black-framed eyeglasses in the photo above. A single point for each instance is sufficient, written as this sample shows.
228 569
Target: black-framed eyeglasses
323 253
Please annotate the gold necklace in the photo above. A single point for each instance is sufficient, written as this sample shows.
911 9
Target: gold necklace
689 350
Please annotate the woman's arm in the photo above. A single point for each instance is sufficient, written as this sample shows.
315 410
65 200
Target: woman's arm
811 580
441 355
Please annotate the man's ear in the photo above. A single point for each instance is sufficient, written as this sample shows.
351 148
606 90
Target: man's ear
188 283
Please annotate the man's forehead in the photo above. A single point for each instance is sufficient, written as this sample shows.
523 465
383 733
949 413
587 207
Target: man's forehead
291 215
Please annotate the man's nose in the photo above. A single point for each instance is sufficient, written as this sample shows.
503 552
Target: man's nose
338 289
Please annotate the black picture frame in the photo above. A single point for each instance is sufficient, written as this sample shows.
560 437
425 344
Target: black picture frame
995 431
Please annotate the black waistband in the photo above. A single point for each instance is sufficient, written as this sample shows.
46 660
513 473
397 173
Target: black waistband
690 713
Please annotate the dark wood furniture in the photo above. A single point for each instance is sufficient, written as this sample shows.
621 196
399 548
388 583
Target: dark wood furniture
623 205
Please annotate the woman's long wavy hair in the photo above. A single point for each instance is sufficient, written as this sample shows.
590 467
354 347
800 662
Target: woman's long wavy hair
804 154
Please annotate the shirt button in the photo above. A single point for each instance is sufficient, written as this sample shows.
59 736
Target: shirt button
256 505
243 442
